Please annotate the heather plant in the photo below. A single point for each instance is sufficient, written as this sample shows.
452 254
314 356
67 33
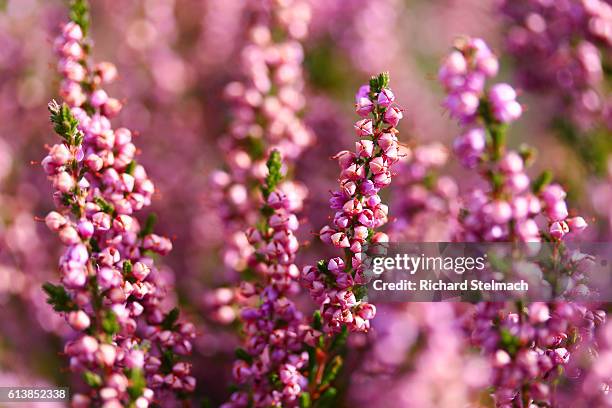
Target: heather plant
271 368
528 346
265 108
334 284
127 345
337 285
290 62
562 47
562 50
420 357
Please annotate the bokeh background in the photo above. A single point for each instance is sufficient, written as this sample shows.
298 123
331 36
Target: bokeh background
174 58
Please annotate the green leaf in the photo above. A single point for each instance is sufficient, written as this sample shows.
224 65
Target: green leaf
104 205
331 370
92 379
64 123
206 403
339 339
149 225
127 267
275 380
95 247
528 154
305 401
378 82
170 319
110 324
498 181
542 181
59 298
274 176
243 355
167 358
137 382
509 342
498 132
129 169
328 397
360 292
79 13
317 320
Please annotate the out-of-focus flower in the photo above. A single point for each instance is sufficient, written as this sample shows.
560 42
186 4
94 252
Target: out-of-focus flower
561 47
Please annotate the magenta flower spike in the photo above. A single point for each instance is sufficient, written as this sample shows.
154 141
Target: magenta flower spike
527 346
271 367
127 345
560 48
266 103
336 284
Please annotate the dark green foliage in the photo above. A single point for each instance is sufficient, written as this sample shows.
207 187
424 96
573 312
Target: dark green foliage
137 382
274 176
378 82
79 13
92 379
542 181
109 323
64 123
170 319
59 298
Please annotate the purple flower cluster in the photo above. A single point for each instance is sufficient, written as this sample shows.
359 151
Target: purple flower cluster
334 284
560 46
595 385
526 346
265 107
529 348
271 370
508 207
464 73
428 205
110 292
427 337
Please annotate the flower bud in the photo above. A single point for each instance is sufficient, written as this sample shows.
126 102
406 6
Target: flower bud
78 320
55 221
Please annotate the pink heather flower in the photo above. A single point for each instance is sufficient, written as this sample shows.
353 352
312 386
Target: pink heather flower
99 194
265 104
99 98
511 163
275 332
558 229
462 105
55 221
72 31
364 107
454 66
393 115
79 320
500 212
505 210
364 127
576 224
553 193
504 105
470 145
385 98
557 211
564 63
362 175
